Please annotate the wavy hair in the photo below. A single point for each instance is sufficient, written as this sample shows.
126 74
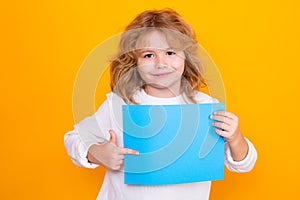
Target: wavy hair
125 78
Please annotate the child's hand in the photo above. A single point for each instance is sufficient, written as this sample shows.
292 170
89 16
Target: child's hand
227 125
109 154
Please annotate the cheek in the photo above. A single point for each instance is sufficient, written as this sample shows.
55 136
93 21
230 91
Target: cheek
144 62
139 62
143 70
178 65
144 66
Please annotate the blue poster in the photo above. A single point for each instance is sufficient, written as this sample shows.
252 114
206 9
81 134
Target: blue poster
177 144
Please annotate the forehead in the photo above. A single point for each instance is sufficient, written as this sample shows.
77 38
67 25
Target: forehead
153 39
159 38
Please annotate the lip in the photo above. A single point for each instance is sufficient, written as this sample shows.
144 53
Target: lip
162 74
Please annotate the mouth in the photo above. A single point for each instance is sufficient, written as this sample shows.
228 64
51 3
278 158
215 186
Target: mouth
162 74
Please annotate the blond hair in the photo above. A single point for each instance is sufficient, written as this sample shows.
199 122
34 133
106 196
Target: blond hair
125 79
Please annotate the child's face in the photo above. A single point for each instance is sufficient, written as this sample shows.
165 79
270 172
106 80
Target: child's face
160 66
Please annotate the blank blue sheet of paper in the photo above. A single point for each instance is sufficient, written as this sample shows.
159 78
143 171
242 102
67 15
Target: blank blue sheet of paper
177 144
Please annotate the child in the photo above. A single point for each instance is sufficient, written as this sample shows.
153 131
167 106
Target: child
157 63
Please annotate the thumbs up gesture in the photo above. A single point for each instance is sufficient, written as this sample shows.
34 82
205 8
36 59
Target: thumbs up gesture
109 154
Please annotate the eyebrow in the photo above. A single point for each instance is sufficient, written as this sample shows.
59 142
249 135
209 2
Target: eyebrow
149 49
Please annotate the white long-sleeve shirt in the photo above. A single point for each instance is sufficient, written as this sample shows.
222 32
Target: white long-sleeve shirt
94 129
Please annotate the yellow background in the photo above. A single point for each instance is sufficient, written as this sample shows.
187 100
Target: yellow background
254 43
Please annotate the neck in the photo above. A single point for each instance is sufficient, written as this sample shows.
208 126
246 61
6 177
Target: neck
162 92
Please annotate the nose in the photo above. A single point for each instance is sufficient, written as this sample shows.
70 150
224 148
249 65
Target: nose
161 60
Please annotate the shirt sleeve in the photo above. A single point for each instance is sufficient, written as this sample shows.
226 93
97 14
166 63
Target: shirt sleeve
77 150
91 130
244 165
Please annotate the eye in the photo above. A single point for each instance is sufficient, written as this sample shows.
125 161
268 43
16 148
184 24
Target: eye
169 53
148 55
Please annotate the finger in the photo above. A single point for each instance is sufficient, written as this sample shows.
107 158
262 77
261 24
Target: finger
116 167
221 119
226 114
221 125
113 137
220 132
129 151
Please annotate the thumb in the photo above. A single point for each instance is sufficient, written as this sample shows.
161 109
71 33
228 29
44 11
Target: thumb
113 137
